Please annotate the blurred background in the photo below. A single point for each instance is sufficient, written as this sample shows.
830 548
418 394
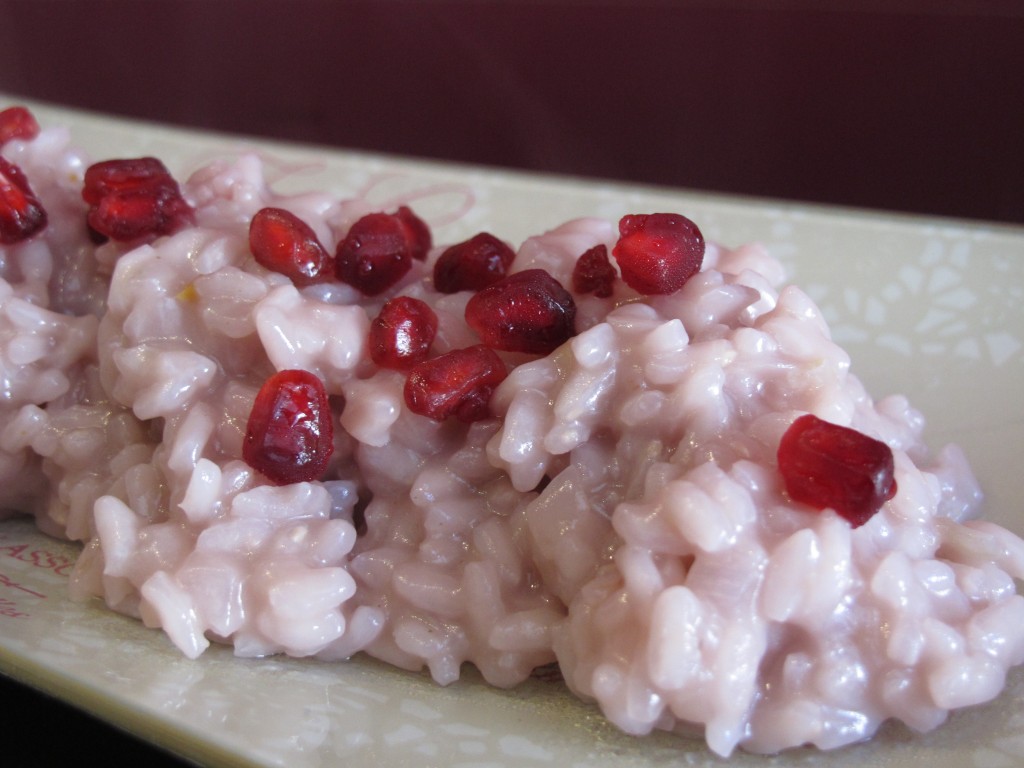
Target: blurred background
902 105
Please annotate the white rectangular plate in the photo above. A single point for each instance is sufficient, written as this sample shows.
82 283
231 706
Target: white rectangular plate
930 308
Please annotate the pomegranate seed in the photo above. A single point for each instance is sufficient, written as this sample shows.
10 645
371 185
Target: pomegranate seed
128 175
657 253
17 123
375 254
417 233
401 335
282 242
828 466
527 311
21 213
458 384
594 273
130 216
475 264
134 198
290 435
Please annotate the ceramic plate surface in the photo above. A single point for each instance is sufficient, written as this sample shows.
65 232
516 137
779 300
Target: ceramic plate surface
930 308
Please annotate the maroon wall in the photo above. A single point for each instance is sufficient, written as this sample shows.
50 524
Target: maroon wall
903 105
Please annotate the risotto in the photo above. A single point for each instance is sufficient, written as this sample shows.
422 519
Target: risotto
296 425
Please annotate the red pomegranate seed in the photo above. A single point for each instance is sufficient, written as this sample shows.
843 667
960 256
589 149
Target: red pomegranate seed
21 213
594 273
127 175
472 265
375 254
134 198
401 335
290 435
527 311
282 242
657 253
17 123
457 384
417 233
828 466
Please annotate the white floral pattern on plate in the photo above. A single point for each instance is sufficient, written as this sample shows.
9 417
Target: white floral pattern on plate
929 308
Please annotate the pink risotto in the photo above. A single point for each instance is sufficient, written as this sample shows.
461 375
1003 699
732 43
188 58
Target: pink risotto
297 425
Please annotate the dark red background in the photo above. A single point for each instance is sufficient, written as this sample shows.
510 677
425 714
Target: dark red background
907 105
